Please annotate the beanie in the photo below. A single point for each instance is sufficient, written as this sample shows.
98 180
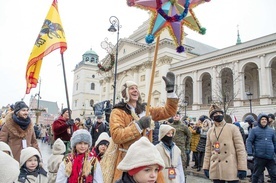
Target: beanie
103 137
28 153
58 147
124 93
63 111
141 153
99 116
9 168
170 120
271 116
164 129
81 135
249 119
5 147
213 109
201 118
19 105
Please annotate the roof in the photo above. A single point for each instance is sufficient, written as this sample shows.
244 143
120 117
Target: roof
90 52
51 107
198 47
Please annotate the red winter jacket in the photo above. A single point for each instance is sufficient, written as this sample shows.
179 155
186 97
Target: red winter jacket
60 129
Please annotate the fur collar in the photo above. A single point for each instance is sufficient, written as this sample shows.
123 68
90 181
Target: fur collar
15 128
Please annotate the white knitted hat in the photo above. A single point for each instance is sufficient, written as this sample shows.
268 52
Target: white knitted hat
5 147
141 153
124 93
28 153
164 129
81 135
9 168
58 147
103 136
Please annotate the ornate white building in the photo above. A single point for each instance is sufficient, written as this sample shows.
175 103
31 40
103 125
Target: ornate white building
204 75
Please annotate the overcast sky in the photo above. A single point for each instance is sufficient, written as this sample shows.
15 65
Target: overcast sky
85 23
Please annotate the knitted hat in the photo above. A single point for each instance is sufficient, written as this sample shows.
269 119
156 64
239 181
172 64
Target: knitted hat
141 153
19 105
28 153
271 116
5 147
170 120
103 137
9 168
81 135
124 93
164 129
249 119
58 147
63 111
213 109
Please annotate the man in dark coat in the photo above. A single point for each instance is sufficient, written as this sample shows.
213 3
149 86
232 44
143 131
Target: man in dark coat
263 139
97 128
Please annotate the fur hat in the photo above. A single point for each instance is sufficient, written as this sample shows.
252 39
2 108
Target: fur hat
81 135
28 153
9 168
164 129
58 147
19 105
5 147
141 153
103 137
124 93
213 109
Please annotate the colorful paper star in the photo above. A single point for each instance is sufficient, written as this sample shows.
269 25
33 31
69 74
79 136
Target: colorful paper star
170 14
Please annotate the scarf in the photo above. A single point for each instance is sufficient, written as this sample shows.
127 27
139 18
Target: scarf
76 168
22 122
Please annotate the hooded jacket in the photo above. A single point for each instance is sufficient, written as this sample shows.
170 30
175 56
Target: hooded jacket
13 135
263 139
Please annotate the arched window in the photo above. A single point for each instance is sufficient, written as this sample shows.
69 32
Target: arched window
92 86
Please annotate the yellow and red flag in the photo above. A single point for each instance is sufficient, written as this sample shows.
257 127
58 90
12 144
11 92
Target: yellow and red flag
50 38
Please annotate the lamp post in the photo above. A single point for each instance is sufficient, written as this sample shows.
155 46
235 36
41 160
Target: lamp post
185 107
249 96
115 26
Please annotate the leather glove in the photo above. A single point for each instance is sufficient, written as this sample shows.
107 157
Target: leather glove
169 81
70 122
206 172
241 174
144 122
250 157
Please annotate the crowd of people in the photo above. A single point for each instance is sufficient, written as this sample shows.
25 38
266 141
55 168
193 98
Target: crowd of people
122 149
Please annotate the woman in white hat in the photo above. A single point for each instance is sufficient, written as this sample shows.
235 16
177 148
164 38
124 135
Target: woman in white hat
81 165
171 154
141 163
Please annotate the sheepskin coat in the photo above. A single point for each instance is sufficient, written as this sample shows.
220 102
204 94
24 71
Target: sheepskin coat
124 131
225 164
13 135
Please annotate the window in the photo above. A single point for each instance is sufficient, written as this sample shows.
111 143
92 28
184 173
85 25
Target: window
77 86
87 59
142 78
92 86
76 103
104 89
93 76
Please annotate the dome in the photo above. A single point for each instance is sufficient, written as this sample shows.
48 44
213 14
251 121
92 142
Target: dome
90 52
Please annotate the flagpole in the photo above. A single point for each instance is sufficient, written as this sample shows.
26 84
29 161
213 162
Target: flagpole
66 91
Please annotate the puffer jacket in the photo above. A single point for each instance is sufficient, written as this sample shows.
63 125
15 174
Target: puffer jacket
263 139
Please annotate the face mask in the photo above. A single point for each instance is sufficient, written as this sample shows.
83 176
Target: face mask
218 118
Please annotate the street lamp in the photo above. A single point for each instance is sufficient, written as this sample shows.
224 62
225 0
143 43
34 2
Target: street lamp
115 26
249 96
185 107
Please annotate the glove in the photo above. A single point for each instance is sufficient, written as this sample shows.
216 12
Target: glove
241 174
70 122
169 81
250 157
144 122
206 172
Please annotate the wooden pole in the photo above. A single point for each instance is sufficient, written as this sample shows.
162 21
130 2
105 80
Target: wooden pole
153 66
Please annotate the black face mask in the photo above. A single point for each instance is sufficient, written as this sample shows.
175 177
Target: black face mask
167 140
218 118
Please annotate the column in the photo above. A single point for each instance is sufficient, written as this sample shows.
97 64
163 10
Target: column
214 84
237 85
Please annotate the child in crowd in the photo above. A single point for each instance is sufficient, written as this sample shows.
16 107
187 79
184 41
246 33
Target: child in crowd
9 168
101 145
30 170
171 154
5 148
55 159
80 165
141 163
